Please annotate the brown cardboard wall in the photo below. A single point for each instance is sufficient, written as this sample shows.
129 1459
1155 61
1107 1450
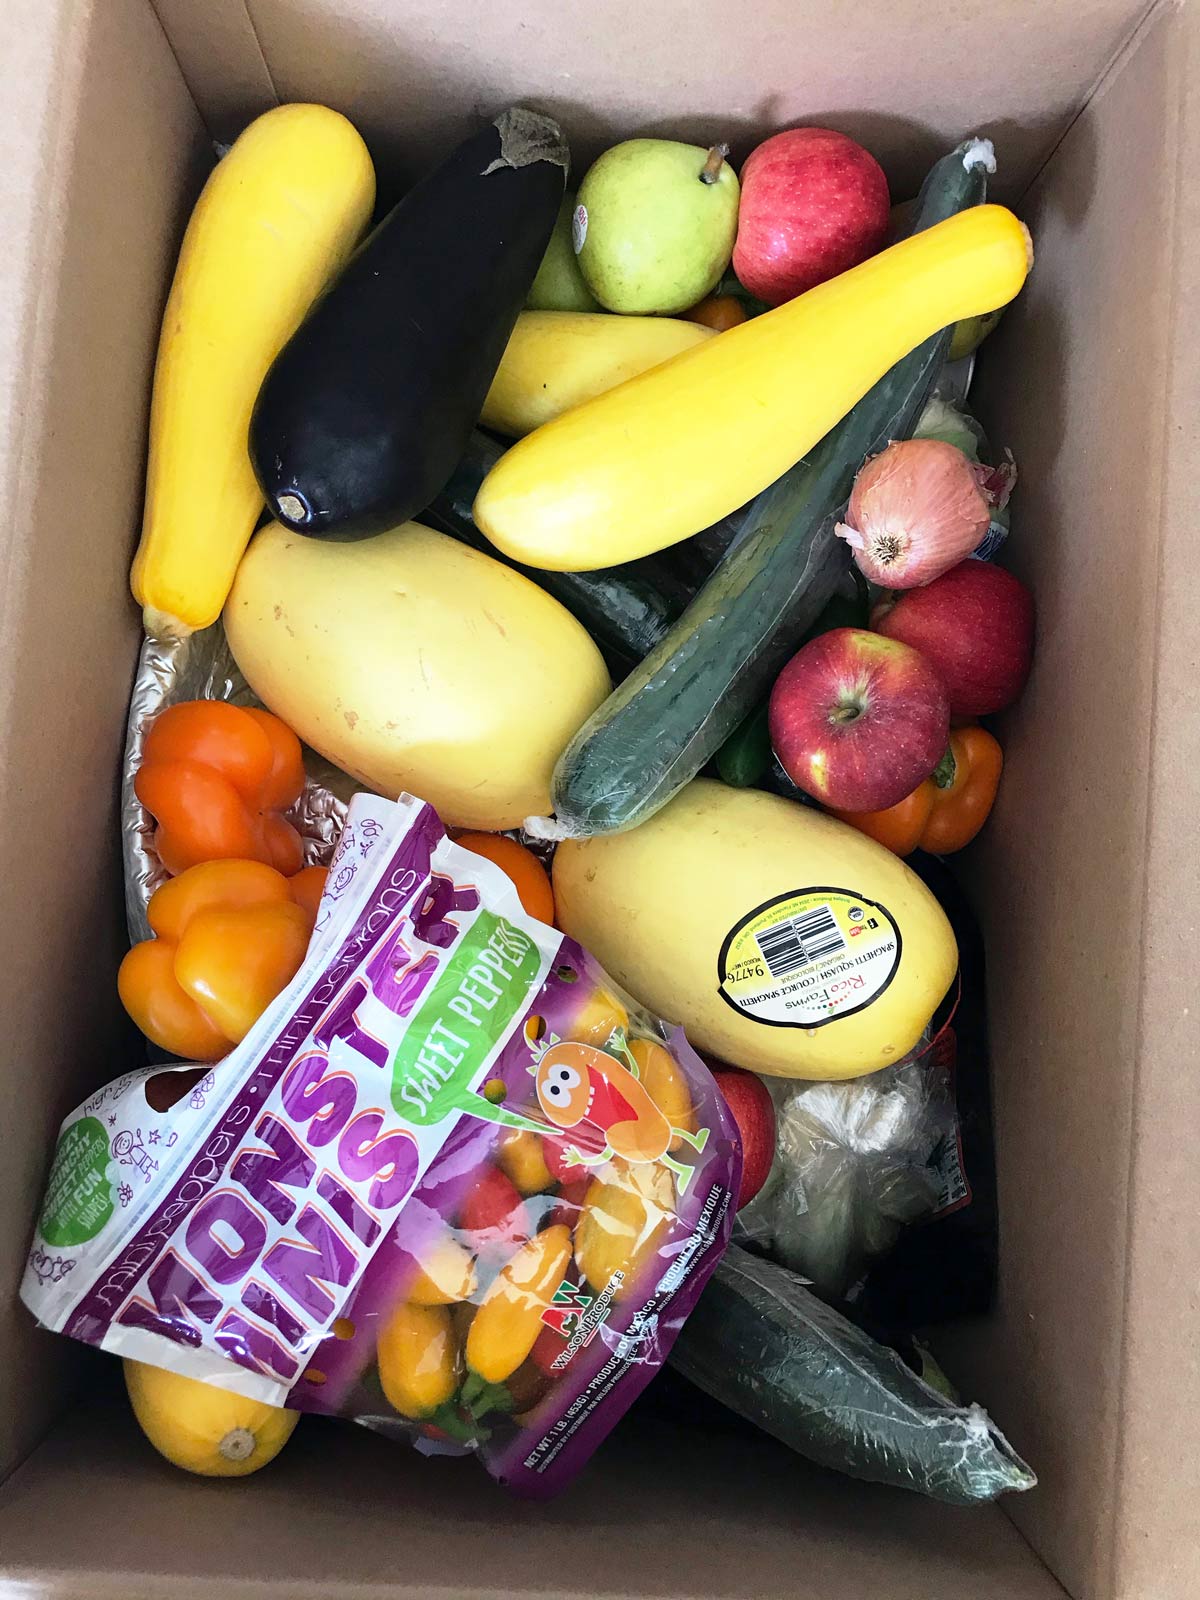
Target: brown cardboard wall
1077 383
1156 1548
661 1515
100 142
908 78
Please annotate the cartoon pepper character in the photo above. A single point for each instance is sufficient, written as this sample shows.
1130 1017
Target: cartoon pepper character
583 1088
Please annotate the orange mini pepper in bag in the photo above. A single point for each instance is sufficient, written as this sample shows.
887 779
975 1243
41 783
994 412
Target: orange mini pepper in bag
944 813
217 779
229 936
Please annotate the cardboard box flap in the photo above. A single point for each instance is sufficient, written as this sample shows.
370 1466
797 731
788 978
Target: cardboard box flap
100 166
661 1514
416 77
1086 879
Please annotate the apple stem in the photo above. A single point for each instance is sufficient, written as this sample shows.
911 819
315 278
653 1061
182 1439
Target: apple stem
711 170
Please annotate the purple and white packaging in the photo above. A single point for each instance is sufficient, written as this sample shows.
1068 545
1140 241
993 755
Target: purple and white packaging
261 1230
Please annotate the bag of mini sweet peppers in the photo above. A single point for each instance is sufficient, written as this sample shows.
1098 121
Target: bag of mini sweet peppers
450 1183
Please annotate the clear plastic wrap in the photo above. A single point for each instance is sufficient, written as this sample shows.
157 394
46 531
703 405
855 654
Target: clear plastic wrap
762 1344
451 1184
851 1170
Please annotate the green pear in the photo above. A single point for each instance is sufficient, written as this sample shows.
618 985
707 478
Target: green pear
655 225
559 284
970 333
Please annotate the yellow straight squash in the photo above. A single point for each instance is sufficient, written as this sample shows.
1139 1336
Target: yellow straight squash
671 452
278 217
781 939
558 359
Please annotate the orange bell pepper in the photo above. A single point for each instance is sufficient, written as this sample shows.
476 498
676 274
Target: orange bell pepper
229 936
217 779
306 888
718 311
945 812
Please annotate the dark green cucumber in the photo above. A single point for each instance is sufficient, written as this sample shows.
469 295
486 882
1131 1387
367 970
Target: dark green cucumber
746 754
627 610
672 714
760 1342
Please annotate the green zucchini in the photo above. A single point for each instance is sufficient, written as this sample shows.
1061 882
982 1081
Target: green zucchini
761 1343
714 543
627 610
672 714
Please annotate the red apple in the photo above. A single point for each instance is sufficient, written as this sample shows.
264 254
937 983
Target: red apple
813 204
858 721
974 625
749 1099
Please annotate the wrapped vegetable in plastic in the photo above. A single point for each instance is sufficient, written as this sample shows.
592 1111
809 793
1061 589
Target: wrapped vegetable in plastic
448 1185
851 1169
762 1344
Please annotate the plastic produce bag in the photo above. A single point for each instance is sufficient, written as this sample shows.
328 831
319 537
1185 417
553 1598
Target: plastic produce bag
850 1170
764 1346
451 1184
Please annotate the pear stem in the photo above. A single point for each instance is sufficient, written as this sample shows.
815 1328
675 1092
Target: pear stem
711 170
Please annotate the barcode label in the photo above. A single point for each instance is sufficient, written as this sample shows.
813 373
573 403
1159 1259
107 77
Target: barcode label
949 1173
800 941
809 957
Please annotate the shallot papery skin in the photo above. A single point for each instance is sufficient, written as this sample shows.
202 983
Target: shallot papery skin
916 510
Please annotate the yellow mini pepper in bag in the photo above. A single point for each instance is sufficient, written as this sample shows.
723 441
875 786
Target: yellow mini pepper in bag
505 1328
419 1360
624 1220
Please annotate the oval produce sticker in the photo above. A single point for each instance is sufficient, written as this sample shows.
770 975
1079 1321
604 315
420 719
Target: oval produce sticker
809 957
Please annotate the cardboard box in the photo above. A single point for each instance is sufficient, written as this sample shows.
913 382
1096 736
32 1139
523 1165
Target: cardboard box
1087 877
